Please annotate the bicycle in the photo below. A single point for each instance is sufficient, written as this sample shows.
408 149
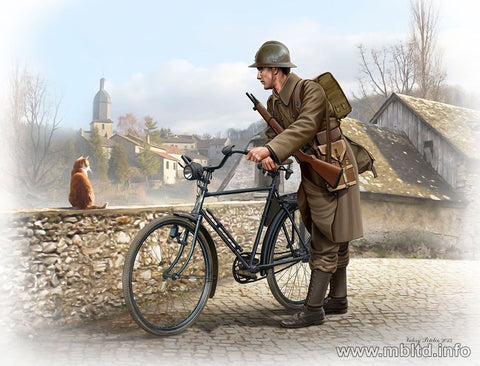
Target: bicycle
171 268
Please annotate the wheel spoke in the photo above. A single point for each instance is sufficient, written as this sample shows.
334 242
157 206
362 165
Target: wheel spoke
288 282
159 299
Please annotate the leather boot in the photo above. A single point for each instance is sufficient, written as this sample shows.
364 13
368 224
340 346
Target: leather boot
336 301
312 312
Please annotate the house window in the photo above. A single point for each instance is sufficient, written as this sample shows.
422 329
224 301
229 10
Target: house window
103 126
166 164
428 151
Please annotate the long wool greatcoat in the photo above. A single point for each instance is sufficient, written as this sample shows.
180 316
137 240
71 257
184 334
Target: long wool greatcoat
336 214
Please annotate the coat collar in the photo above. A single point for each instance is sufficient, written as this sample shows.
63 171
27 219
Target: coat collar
287 88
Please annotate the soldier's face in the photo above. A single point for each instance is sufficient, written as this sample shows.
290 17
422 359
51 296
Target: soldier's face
265 75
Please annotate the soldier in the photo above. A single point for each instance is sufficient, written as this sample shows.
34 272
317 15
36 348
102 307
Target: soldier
332 218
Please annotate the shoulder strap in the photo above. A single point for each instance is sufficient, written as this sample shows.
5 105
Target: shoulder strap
296 95
327 130
298 103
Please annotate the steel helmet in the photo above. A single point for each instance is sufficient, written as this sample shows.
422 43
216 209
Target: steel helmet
272 54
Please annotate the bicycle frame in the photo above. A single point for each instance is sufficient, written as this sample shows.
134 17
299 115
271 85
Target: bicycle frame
199 214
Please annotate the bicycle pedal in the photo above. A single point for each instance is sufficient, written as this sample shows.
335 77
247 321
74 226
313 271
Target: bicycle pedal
246 273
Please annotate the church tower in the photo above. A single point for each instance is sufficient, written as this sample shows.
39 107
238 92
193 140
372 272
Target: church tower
101 112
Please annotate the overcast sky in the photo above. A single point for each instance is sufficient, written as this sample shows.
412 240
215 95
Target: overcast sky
185 62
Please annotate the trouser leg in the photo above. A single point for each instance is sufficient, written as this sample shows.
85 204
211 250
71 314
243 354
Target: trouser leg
312 313
336 301
323 252
338 282
323 262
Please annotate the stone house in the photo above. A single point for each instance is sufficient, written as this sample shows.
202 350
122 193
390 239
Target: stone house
133 145
168 169
183 142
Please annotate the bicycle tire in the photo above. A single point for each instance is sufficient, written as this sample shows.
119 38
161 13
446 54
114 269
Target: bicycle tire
289 282
159 304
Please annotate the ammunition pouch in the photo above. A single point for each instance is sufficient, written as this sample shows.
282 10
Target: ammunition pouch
341 157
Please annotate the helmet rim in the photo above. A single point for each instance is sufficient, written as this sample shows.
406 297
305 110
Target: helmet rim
273 54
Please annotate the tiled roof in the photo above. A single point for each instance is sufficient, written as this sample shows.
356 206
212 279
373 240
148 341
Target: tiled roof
460 126
401 169
181 139
171 149
164 155
129 138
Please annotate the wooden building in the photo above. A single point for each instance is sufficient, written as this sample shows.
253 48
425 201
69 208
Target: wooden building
445 135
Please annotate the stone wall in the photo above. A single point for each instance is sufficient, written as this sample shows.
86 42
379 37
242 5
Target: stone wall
415 227
62 265
68 263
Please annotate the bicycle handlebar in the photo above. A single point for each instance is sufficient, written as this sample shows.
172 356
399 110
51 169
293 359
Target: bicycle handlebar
228 151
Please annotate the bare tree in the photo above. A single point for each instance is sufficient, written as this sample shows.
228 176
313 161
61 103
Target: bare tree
374 81
428 61
402 74
34 120
412 67
374 71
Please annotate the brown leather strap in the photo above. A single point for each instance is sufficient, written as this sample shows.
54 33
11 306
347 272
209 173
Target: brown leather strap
296 95
335 135
327 130
298 104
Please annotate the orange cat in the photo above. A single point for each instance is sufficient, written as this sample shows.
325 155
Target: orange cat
81 191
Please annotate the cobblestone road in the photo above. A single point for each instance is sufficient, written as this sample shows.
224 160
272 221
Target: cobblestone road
393 303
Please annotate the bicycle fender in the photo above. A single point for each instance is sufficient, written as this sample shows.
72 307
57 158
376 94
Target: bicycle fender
272 228
211 246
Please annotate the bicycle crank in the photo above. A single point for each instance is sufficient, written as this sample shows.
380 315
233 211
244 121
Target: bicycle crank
242 273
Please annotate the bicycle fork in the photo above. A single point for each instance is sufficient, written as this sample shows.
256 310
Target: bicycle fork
183 243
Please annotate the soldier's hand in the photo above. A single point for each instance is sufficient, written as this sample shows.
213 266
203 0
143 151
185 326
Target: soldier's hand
257 154
269 164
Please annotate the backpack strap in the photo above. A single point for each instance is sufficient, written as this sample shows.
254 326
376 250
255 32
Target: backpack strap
296 95
327 130
298 103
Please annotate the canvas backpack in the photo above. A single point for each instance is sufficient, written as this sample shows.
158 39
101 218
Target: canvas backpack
341 107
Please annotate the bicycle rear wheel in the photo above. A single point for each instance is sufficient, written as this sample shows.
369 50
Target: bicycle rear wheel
161 300
288 239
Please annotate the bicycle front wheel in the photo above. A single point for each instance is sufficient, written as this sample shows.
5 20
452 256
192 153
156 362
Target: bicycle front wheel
162 297
288 239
